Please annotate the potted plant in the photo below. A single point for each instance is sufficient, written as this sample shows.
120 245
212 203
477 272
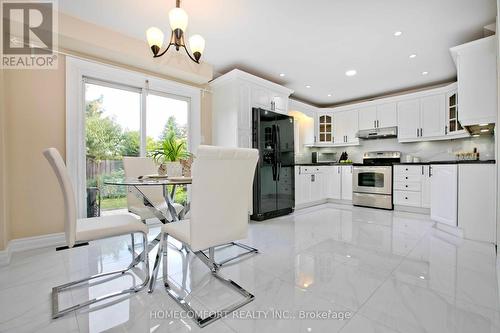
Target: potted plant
169 153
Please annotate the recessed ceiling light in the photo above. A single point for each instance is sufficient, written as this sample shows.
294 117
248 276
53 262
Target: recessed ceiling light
485 130
282 74
475 135
397 33
412 56
421 277
351 72
329 95
483 124
308 86
425 73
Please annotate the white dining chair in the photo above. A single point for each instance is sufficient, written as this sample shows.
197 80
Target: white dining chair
141 166
222 178
90 229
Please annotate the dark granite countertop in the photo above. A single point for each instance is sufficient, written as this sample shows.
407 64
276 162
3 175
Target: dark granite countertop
322 164
449 162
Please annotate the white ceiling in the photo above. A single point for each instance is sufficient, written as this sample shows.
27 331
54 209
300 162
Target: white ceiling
314 42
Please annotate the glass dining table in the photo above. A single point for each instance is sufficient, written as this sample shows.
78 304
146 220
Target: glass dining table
136 185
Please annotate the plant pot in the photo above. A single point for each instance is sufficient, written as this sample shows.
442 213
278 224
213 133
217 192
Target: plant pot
162 169
173 169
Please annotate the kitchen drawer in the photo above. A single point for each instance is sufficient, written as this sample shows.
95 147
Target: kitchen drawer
408 178
407 198
309 169
408 170
408 186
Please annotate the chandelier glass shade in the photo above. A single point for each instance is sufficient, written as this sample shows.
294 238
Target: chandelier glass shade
178 19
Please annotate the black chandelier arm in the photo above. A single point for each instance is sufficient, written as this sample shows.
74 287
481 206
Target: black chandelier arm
189 55
165 51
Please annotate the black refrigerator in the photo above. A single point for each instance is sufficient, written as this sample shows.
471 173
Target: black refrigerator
274 188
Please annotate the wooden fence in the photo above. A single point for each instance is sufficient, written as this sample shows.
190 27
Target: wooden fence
95 169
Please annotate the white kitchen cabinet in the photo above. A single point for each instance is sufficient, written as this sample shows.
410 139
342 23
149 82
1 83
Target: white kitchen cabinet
384 115
346 171
444 189
426 186
367 118
309 184
453 127
477 201
477 81
234 96
324 127
421 119
333 182
387 115
408 119
432 116
346 127
408 185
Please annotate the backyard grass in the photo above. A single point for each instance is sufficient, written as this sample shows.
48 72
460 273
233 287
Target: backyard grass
113 203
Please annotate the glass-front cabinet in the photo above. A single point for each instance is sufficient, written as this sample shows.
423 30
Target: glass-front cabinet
324 128
453 126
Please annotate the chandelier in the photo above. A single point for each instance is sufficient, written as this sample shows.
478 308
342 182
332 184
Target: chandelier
178 22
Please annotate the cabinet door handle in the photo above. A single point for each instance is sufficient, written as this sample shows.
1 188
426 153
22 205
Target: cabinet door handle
406 198
421 132
406 177
417 133
378 125
422 170
406 186
430 171
374 124
446 130
313 178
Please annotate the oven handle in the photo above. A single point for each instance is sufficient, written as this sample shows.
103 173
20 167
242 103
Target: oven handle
372 168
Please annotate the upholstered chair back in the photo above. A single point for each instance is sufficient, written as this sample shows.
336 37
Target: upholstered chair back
222 182
70 216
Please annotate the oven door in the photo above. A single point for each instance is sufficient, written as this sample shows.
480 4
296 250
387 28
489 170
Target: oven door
372 179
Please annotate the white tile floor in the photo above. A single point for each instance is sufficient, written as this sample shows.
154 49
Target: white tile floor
390 271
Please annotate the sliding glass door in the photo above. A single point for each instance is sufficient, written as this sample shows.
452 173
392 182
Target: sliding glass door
125 121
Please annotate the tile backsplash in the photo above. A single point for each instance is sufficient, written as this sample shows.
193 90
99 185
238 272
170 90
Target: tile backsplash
426 151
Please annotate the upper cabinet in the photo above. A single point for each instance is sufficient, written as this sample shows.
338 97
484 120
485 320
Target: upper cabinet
453 126
233 96
324 128
346 127
380 116
421 118
477 81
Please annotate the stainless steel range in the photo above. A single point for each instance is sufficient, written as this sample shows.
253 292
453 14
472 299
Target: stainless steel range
372 180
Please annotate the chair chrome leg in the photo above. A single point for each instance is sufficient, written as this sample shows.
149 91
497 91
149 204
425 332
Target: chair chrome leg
154 274
56 312
249 250
202 322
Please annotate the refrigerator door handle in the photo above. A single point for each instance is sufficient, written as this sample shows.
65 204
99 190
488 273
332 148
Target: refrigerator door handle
275 155
278 152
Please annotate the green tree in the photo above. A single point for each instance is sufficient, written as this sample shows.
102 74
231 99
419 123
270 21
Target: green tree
103 135
130 145
171 126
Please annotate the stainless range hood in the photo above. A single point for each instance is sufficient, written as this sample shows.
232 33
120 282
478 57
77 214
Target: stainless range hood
378 133
481 129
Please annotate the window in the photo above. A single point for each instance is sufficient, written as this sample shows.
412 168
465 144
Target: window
113 112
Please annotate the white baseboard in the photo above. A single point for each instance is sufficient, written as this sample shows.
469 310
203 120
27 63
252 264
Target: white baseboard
30 243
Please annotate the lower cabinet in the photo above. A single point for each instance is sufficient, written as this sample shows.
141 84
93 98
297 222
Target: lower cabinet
444 189
319 183
333 181
477 201
346 182
411 186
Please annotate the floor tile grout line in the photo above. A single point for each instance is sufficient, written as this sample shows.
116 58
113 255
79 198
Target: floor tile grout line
389 277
